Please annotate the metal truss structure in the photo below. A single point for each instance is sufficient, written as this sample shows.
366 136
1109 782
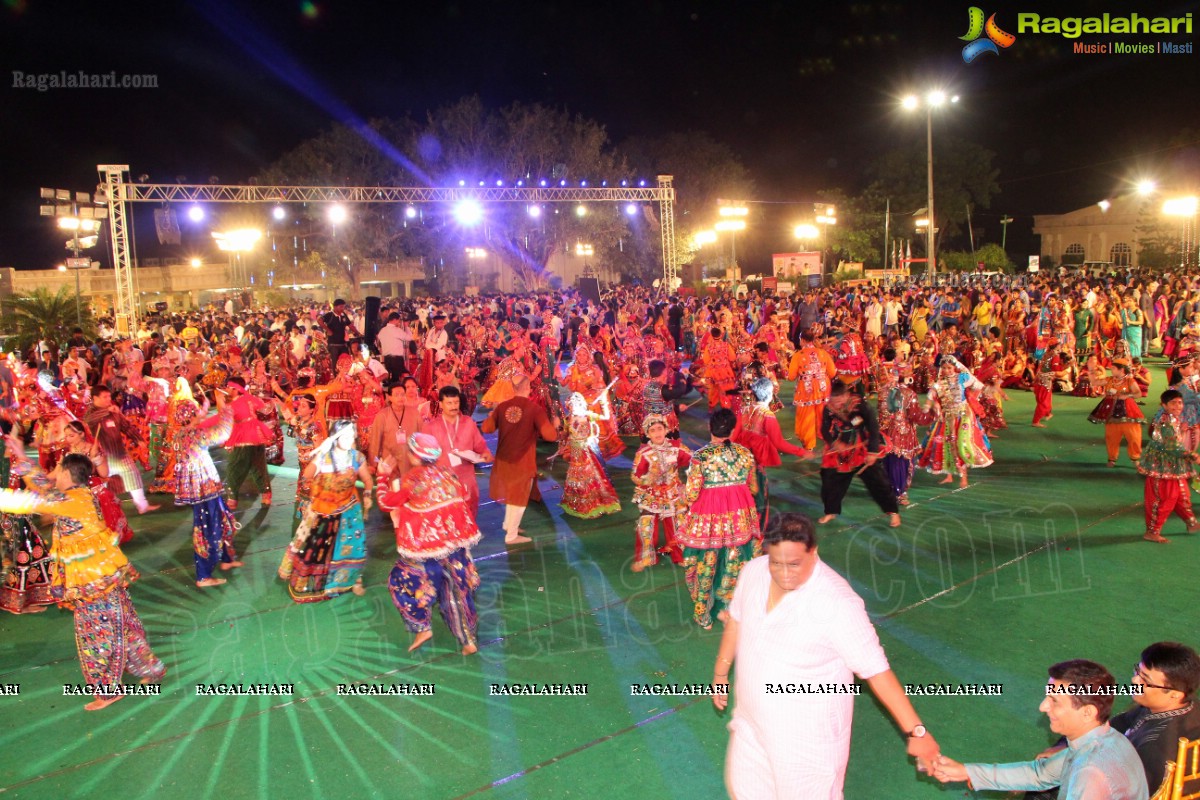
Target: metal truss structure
120 191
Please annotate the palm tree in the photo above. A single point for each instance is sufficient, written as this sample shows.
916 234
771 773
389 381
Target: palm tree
43 315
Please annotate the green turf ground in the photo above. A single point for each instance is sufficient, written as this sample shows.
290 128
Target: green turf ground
1040 560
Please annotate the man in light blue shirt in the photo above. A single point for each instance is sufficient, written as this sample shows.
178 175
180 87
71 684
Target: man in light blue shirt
1098 762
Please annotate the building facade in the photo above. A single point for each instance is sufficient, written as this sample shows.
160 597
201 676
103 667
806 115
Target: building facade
1092 233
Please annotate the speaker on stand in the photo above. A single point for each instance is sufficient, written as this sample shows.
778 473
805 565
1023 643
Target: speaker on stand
372 322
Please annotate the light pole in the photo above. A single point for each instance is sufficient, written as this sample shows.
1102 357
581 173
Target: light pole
236 242
805 233
733 219
932 100
826 216
1005 220
74 212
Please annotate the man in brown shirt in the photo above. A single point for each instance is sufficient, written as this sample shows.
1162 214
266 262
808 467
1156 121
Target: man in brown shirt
519 422
387 439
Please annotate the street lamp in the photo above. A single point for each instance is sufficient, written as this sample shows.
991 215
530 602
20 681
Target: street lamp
806 233
932 100
236 242
826 216
733 219
75 213
732 226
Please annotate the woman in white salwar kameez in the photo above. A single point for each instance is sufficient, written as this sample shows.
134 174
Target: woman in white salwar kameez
799 634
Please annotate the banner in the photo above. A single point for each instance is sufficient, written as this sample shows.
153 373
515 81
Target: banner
790 266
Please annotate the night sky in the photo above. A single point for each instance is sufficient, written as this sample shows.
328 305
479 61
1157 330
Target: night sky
805 93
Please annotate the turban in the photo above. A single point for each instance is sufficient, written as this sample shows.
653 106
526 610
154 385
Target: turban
424 447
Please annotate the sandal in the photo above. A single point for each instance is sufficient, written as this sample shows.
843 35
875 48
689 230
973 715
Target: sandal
1157 538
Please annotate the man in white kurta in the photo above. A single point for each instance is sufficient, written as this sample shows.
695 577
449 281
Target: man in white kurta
794 689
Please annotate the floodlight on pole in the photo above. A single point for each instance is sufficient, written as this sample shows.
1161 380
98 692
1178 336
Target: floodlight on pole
702 238
535 211
806 232
730 225
935 98
196 214
581 211
338 214
1146 187
72 212
279 213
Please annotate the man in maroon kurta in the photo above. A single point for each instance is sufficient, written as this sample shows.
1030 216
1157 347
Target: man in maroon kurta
519 421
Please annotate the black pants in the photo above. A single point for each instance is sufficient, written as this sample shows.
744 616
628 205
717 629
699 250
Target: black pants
394 366
336 351
834 486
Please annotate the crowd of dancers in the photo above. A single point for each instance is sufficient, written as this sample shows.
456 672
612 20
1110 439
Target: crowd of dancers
887 382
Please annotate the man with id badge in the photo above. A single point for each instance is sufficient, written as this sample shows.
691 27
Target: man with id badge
461 443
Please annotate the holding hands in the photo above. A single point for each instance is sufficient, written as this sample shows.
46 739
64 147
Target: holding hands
947 770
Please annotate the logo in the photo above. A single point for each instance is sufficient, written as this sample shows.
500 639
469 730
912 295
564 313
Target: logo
976 28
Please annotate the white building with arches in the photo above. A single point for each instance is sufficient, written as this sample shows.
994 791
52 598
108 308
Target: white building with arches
1093 233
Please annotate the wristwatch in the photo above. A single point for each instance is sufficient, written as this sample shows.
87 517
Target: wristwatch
917 732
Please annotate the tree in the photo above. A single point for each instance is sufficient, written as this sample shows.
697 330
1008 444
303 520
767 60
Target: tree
465 142
858 233
531 143
962 174
704 171
1158 239
992 255
42 315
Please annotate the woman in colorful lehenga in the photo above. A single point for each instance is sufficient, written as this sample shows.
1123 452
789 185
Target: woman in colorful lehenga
434 533
586 378
90 574
720 532
758 431
260 384
628 393
78 441
956 442
329 552
306 429
505 376
24 557
197 483
587 491
158 407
